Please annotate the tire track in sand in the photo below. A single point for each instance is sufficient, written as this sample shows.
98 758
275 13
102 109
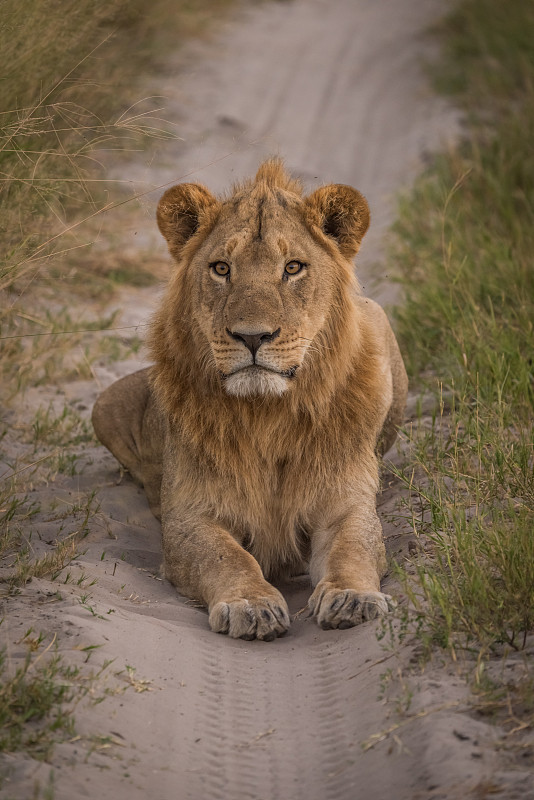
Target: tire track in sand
250 738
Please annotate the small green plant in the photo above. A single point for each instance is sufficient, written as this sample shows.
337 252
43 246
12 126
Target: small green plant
36 700
67 427
40 691
20 561
14 509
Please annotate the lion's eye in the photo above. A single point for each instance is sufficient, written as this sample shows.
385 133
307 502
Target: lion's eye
221 268
294 267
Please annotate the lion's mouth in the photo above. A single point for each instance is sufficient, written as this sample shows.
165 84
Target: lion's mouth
259 368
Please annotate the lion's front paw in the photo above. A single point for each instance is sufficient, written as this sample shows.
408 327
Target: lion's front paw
263 618
345 608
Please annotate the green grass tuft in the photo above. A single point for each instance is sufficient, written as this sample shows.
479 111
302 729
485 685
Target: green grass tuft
35 703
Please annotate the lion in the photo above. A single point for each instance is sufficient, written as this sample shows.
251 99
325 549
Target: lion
275 388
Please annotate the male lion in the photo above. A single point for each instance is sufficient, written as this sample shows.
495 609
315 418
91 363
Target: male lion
275 383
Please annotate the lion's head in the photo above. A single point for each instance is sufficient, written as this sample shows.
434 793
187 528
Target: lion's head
259 275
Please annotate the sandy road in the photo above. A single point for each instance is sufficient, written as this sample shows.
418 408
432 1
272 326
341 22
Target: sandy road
336 88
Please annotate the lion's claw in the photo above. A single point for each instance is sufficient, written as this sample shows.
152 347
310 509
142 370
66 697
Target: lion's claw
243 619
345 608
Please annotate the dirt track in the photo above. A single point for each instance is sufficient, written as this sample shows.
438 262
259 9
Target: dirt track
336 88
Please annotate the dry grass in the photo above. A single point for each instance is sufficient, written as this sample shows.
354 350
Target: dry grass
70 96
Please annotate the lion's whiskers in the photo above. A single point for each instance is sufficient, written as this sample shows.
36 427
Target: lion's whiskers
318 347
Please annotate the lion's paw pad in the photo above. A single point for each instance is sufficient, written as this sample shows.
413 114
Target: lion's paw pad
345 608
246 619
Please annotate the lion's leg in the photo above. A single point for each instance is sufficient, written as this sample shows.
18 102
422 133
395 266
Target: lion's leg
399 379
205 562
126 421
348 560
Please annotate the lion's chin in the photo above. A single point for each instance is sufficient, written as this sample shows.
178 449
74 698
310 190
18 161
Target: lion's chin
254 381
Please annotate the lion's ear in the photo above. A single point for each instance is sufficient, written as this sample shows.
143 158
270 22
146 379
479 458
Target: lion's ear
180 212
342 213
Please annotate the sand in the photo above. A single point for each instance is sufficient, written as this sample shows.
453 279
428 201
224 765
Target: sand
337 88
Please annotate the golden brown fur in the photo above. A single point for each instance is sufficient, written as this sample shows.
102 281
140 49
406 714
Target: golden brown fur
274 385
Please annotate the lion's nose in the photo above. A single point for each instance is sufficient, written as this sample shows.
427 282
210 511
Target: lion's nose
253 341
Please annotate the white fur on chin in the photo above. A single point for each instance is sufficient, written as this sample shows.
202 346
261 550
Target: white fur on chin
254 381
